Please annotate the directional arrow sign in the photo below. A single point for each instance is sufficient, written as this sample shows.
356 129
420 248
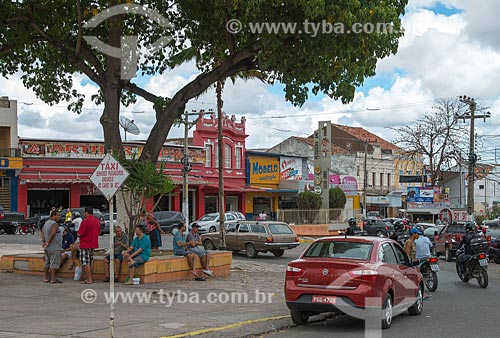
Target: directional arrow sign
109 176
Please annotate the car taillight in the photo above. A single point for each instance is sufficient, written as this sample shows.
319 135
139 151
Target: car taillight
482 256
292 270
386 227
269 240
365 275
2 214
433 260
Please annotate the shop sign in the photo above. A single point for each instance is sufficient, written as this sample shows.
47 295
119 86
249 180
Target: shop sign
291 169
96 150
11 163
264 170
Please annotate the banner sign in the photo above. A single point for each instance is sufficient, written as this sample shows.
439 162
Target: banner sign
96 150
291 169
264 170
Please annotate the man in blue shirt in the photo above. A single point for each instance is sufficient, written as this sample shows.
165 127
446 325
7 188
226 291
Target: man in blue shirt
180 245
423 246
137 253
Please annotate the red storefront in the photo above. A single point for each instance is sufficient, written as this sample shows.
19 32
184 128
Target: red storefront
57 172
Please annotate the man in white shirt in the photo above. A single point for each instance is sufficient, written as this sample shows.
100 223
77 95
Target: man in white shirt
77 220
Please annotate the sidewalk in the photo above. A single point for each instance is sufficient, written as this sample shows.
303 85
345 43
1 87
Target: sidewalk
31 308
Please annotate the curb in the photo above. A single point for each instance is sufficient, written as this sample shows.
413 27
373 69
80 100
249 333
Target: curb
306 240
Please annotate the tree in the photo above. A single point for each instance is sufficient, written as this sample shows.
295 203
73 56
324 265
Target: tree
145 181
308 203
337 198
41 40
437 137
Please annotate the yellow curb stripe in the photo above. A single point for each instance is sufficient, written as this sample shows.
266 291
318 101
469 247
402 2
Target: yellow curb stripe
306 240
227 327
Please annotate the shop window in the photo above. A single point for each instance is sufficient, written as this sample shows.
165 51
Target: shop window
208 155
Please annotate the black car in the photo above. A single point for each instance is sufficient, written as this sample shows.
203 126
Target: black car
10 221
377 227
494 244
168 219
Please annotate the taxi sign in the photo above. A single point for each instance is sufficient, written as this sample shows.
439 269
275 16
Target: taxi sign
109 176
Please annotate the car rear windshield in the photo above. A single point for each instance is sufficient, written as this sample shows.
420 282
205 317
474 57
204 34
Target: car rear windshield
340 249
280 229
456 229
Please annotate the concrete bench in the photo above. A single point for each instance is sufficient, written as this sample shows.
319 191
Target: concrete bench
157 269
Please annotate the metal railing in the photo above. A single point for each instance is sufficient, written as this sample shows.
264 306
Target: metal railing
318 216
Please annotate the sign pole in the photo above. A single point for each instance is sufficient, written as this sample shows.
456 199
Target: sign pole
111 270
108 177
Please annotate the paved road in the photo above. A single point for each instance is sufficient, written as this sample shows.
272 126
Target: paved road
455 310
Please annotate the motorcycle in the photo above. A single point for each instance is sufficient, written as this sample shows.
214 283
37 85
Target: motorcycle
429 268
472 266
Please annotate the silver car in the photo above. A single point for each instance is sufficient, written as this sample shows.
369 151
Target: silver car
211 223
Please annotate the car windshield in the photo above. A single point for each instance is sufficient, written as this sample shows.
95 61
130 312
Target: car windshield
456 229
278 229
209 217
340 249
430 231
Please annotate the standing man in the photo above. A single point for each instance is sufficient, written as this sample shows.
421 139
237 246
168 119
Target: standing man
120 243
137 253
89 240
410 245
52 246
193 240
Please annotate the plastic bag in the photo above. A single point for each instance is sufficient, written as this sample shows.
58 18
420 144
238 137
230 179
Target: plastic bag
78 273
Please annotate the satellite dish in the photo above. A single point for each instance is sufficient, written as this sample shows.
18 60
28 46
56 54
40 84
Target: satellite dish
129 126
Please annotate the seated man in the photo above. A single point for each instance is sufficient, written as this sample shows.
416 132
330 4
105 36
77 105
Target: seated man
193 240
120 242
180 245
69 248
137 253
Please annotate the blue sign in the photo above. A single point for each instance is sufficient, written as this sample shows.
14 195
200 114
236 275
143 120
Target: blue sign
420 194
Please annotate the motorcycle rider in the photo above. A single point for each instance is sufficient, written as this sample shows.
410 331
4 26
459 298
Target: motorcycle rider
410 246
423 245
471 232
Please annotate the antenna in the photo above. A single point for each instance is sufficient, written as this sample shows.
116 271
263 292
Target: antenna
129 126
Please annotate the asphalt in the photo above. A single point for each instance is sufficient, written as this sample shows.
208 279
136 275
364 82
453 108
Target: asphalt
31 308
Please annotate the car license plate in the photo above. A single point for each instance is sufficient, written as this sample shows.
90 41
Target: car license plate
324 299
483 262
434 267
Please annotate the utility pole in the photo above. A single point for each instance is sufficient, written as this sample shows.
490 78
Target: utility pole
185 171
365 178
471 114
222 210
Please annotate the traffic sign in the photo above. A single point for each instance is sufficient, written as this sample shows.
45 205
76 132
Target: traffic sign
109 176
318 190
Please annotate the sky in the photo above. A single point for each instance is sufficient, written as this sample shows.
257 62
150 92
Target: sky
450 48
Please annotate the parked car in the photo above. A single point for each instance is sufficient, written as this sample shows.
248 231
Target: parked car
255 237
105 230
211 223
377 227
373 215
337 274
494 251
168 220
10 221
448 240
492 223
238 215
2 212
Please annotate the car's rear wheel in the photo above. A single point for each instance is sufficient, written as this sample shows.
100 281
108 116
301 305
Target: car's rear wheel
448 255
380 234
416 309
387 312
208 245
251 251
212 229
299 317
278 253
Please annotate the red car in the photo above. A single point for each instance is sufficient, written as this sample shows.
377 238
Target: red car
357 276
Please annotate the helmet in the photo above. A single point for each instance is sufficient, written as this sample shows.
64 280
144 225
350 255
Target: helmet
470 227
420 229
414 230
76 214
